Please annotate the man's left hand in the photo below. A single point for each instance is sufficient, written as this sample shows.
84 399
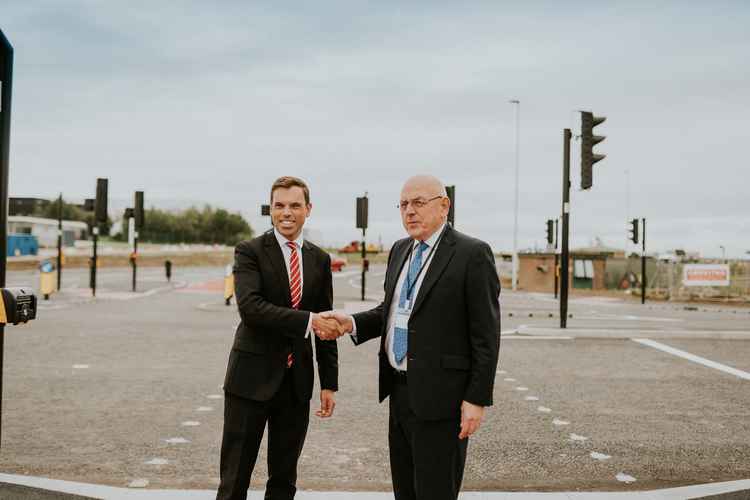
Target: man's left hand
471 419
327 403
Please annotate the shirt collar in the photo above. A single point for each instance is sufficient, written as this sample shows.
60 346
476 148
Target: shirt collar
432 239
283 241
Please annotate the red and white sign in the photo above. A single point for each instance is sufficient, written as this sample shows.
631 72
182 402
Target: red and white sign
705 275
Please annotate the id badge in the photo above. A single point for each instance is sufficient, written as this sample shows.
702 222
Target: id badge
402 318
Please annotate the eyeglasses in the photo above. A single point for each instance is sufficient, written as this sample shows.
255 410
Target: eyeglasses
417 203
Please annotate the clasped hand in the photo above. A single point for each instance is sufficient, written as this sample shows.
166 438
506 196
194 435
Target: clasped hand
331 325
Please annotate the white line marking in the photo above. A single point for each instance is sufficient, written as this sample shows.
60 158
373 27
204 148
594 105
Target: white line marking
544 409
694 358
624 478
538 337
531 398
177 440
157 461
578 437
599 456
501 372
190 423
522 389
509 379
557 421
204 408
80 367
214 396
138 483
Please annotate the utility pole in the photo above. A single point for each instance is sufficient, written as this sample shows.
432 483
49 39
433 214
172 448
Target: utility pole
557 255
565 229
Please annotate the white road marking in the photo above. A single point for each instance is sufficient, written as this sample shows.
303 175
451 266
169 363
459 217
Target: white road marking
80 367
138 483
599 456
501 372
624 478
544 409
190 423
531 398
578 437
557 421
204 408
522 389
176 440
695 359
214 396
509 379
157 461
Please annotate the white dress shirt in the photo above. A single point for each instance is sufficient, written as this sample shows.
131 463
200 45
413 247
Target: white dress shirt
287 252
428 254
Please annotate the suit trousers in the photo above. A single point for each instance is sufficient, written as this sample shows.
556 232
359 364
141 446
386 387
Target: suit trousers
427 458
244 423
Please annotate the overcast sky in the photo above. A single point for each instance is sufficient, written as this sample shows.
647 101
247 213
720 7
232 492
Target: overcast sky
209 102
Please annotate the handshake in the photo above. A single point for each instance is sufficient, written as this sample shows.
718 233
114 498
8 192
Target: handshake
331 325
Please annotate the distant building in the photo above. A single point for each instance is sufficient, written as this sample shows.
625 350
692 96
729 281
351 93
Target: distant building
45 230
25 206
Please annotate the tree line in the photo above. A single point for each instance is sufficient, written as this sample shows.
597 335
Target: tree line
206 225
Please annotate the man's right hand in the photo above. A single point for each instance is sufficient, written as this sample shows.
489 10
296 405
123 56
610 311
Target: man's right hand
326 328
346 323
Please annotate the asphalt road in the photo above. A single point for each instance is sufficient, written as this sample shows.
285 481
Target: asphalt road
125 389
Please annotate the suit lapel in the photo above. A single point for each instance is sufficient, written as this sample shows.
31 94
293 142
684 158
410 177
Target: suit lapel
443 254
308 270
394 272
273 251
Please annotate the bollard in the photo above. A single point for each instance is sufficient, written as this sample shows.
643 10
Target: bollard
168 269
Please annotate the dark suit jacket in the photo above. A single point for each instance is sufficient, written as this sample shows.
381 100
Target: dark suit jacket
453 335
270 329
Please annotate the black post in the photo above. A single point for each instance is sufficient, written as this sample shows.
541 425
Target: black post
643 263
59 242
6 85
139 215
451 192
564 280
93 260
364 258
135 258
557 257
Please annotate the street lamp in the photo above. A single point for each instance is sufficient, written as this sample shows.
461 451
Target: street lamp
515 218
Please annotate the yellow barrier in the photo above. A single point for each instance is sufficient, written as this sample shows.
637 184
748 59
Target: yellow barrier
228 288
48 283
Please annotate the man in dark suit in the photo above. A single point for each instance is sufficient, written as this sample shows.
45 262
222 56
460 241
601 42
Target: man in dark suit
438 328
281 283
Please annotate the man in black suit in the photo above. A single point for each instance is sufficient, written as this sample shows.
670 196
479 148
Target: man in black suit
281 283
438 328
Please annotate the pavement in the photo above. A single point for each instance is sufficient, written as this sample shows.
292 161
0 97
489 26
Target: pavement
123 392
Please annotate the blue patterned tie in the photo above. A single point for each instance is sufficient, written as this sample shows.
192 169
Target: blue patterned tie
400 335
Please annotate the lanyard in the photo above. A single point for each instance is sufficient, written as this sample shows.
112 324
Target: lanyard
410 286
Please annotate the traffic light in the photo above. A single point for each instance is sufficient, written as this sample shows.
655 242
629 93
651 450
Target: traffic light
100 207
550 232
140 218
362 203
634 230
265 210
588 141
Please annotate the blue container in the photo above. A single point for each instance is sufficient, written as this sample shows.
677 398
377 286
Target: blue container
22 244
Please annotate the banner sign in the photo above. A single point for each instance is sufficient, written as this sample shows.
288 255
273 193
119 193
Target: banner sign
705 275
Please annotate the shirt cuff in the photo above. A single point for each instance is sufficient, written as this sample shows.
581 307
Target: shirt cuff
353 333
309 326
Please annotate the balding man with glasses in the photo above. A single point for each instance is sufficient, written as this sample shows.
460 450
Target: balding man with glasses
438 329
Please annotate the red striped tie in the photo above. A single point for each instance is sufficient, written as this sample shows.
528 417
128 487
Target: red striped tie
295 286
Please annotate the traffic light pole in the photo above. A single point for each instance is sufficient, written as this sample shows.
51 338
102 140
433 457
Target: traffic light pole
93 261
59 242
364 257
557 257
6 85
643 264
564 281
135 258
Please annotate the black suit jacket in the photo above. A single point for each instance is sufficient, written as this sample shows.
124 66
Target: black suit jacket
270 329
453 335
